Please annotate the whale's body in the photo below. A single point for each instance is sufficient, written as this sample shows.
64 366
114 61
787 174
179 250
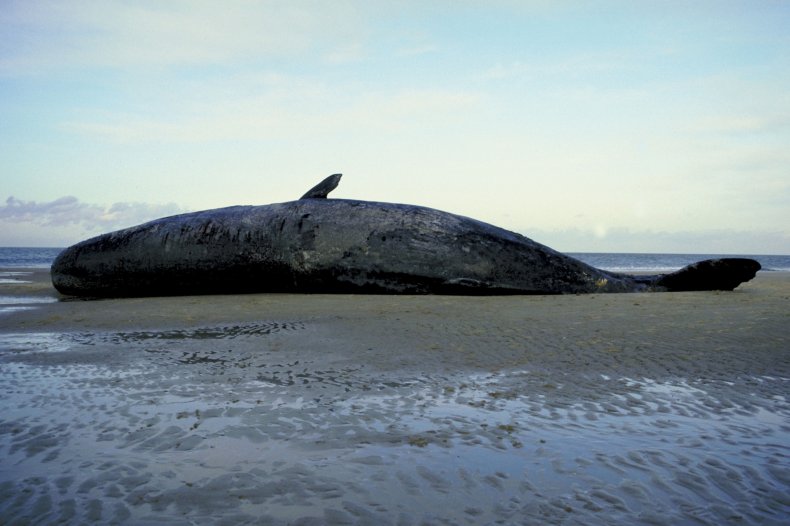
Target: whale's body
345 246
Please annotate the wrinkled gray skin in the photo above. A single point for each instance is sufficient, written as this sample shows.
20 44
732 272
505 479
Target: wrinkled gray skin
335 245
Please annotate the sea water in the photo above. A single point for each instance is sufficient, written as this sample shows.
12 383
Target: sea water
27 257
628 262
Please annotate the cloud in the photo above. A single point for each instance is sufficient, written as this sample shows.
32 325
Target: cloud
69 211
417 50
635 240
580 65
279 114
346 54
765 121
117 34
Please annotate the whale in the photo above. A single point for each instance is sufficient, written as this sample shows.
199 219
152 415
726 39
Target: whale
318 244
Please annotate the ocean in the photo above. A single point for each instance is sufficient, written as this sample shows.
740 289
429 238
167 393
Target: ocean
27 257
626 262
16 257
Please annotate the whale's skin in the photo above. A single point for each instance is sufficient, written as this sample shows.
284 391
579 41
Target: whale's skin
327 246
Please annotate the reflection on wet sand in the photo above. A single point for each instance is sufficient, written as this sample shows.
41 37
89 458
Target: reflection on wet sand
218 421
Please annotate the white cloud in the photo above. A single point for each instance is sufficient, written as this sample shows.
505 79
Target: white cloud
116 34
353 52
634 240
69 211
280 114
574 66
762 122
417 50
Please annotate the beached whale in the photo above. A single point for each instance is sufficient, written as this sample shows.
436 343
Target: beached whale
316 244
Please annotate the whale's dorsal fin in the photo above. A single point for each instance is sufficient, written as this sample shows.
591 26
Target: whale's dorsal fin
322 189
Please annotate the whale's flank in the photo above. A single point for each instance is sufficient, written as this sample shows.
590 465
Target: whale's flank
316 244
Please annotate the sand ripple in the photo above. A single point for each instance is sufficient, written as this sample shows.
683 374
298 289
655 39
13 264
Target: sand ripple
237 423
654 409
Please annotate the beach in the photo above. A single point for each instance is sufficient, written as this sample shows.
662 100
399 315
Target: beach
643 408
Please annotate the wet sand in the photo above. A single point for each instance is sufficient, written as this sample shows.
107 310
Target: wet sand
664 408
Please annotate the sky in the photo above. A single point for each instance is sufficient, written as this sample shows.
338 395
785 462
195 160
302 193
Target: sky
589 126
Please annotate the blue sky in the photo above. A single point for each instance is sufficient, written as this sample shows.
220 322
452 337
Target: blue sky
588 126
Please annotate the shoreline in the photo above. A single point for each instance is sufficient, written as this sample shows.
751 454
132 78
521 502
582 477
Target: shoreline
658 408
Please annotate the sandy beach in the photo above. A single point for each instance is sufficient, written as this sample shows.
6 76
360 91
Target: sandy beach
664 408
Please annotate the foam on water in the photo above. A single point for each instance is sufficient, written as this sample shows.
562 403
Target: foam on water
11 304
13 277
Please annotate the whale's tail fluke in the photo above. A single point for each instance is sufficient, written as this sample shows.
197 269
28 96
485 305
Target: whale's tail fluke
710 274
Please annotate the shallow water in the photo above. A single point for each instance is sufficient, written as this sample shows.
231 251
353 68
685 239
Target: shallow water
11 304
236 423
14 277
